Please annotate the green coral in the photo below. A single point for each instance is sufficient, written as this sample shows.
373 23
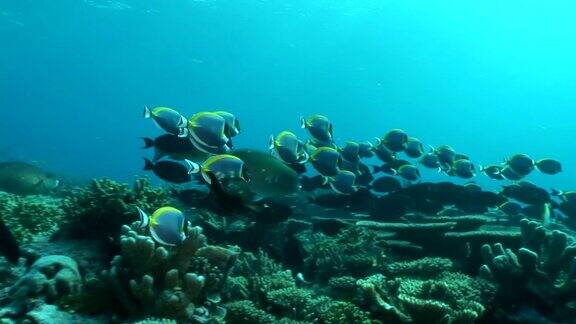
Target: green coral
31 217
448 297
181 283
425 267
261 288
98 211
245 312
353 252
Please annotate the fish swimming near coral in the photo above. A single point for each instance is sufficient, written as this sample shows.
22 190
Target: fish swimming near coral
174 147
166 225
171 171
225 202
269 176
22 178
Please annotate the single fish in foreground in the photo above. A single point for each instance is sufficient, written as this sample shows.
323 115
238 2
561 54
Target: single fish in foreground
166 225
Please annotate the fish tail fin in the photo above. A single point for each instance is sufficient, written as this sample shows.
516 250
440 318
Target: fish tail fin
148 165
183 132
556 192
147 112
303 158
183 122
302 122
8 244
148 142
271 143
378 141
192 167
144 219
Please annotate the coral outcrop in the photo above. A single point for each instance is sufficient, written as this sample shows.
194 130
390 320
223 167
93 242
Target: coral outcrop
31 218
540 276
182 283
99 210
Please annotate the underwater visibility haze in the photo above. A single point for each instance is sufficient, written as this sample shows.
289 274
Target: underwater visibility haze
266 161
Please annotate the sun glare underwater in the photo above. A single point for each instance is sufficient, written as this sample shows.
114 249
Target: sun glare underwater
266 161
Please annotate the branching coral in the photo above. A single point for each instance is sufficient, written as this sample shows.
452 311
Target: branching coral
448 298
30 217
352 252
99 210
151 280
269 293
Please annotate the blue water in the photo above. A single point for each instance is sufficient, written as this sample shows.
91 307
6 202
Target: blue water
490 78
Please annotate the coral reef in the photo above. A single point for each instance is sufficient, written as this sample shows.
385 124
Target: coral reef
98 211
352 252
447 297
262 292
182 283
540 276
31 218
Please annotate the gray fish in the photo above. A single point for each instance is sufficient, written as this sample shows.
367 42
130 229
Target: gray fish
493 172
522 164
365 150
430 160
288 148
566 196
207 132
25 179
396 140
326 161
509 174
510 208
167 119
549 166
351 152
414 148
446 155
344 183
232 125
463 169
319 127
409 172
390 167
383 153
166 225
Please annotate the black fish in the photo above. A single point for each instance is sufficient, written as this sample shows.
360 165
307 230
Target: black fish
364 176
385 184
312 183
8 244
390 167
264 211
527 192
298 167
170 171
178 148
392 206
